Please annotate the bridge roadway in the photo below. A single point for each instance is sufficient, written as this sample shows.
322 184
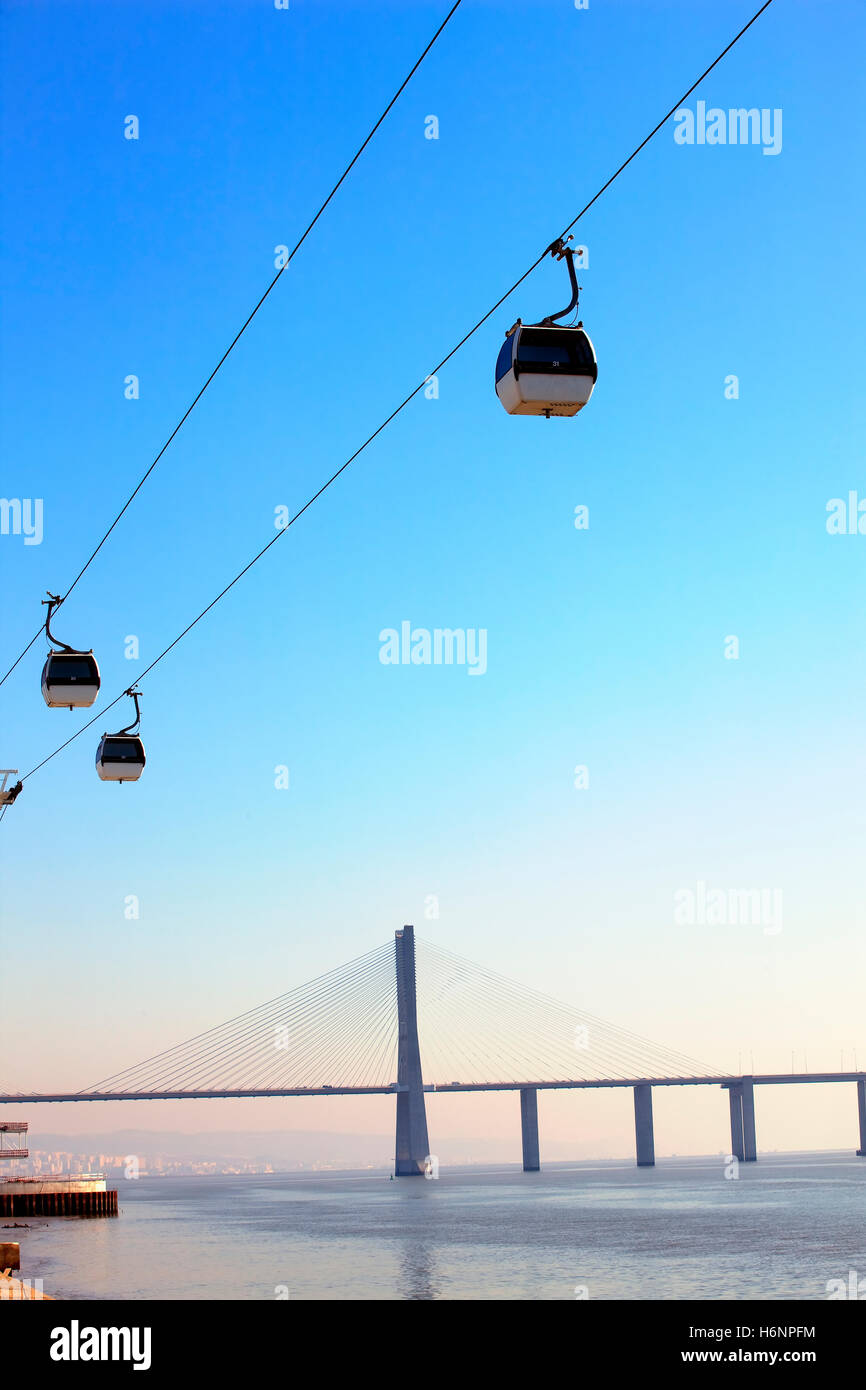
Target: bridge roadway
740 1093
771 1079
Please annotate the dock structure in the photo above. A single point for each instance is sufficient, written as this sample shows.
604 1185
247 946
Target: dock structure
82 1194
63 1196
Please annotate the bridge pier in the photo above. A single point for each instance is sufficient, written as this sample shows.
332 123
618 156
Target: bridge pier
413 1145
861 1107
529 1129
735 1098
643 1126
741 1095
750 1149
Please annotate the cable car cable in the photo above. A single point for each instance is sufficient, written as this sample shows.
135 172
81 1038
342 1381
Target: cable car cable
407 399
241 331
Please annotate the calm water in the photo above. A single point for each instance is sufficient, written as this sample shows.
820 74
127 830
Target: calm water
782 1230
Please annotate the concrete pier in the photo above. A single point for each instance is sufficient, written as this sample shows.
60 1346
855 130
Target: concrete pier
750 1148
741 1095
861 1106
735 1097
643 1126
529 1129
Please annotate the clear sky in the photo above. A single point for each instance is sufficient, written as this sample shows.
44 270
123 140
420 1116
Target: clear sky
606 647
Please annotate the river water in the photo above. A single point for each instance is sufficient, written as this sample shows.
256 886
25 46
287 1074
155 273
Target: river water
782 1229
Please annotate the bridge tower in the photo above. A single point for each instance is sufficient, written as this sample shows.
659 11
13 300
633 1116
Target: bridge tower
413 1146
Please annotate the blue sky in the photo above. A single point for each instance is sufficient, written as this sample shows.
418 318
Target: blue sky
605 647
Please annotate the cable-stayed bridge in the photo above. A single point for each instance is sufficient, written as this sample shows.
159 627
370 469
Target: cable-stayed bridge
408 1011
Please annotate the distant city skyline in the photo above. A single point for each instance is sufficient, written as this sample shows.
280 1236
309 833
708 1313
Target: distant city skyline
323 1153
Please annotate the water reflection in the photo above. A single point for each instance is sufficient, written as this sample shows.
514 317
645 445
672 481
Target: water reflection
418 1271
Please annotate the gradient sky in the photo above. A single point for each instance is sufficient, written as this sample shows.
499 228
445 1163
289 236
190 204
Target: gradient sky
606 647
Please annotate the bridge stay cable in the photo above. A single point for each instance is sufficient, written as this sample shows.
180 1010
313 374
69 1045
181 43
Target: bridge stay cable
476 1028
224 1039
630 1042
263 1021
309 1015
502 1010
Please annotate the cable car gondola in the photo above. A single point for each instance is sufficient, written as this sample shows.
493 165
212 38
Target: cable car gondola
545 368
120 757
69 678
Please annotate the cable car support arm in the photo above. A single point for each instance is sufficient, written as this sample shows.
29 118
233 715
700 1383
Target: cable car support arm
561 251
53 601
133 727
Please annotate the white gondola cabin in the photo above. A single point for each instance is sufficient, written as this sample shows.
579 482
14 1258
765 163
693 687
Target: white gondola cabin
70 680
546 368
545 371
120 757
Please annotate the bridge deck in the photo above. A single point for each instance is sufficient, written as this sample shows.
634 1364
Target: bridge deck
768 1079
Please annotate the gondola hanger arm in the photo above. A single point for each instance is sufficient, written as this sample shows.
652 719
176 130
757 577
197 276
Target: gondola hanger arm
133 727
561 251
53 601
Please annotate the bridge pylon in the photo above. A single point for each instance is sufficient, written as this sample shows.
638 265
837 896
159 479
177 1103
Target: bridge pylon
413 1145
